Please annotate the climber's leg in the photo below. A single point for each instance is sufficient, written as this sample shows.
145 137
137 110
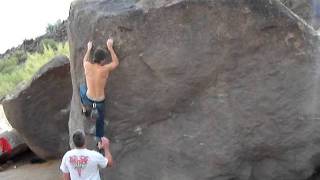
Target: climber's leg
85 102
100 120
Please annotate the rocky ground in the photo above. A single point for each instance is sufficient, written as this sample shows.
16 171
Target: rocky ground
22 169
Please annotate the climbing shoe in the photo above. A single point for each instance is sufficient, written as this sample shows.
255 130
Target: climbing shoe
86 112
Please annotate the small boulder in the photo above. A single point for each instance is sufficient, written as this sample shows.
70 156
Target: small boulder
39 110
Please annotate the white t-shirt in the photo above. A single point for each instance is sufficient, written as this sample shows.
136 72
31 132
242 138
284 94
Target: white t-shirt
83 164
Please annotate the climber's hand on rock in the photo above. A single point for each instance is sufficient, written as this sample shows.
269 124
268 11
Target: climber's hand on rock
89 45
110 43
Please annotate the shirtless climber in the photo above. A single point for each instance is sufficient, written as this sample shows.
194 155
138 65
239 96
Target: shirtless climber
97 72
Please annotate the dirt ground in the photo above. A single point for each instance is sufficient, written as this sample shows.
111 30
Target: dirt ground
21 168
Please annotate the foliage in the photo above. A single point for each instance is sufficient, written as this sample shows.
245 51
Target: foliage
13 72
49 43
51 28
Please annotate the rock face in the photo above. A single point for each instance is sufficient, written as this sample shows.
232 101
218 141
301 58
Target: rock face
219 90
39 110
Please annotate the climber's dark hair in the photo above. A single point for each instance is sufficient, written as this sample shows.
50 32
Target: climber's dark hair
99 55
78 138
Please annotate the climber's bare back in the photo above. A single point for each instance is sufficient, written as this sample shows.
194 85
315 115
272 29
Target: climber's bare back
97 72
96 79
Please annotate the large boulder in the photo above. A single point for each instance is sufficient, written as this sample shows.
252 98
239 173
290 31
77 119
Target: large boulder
39 110
210 89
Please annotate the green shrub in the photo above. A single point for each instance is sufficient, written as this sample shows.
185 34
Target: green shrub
9 63
21 56
51 28
12 73
49 43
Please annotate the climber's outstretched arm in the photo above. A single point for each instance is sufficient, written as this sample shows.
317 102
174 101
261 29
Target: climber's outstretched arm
87 55
115 61
105 143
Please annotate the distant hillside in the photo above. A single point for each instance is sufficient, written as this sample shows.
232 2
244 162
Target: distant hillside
56 32
19 64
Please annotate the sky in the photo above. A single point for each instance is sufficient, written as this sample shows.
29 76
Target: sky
26 19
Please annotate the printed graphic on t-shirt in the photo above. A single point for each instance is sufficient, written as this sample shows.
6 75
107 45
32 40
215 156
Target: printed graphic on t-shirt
79 163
